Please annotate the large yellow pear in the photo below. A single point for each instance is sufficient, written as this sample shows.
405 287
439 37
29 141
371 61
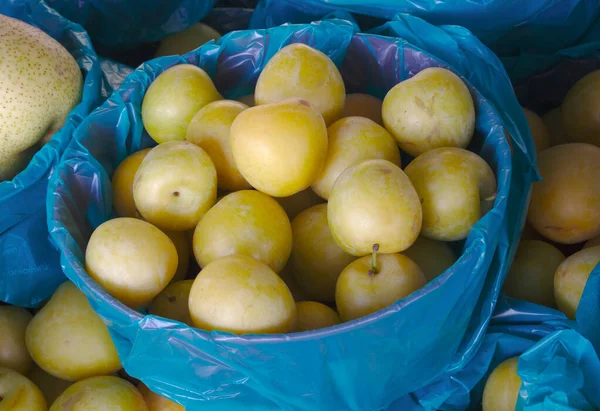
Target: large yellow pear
374 202
539 131
186 40
312 315
279 148
173 99
18 393
13 351
553 121
432 109
456 188
241 295
296 203
100 394
246 222
353 140
433 257
48 384
68 340
301 71
122 184
131 259
172 302
157 402
175 185
316 260
364 105
580 110
501 390
565 205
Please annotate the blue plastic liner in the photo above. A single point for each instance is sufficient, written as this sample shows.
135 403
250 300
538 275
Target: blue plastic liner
366 364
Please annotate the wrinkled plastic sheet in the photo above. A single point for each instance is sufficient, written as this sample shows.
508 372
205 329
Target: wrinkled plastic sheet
366 364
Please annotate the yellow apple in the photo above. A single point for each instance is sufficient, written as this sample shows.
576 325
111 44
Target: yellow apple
172 302
156 402
539 131
13 351
364 105
122 184
50 386
432 257
553 121
580 110
182 245
312 315
184 41
501 390
19 393
296 203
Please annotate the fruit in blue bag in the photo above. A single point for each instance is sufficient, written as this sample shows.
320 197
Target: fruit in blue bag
99 394
351 141
571 277
279 148
456 188
539 131
501 390
316 260
565 205
296 203
300 71
17 392
580 110
172 302
245 222
13 351
432 109
175 184
156 402
40 83
209 130
68 340
374 282
432 257
50 386
186 40
364 105
241 295
553 121
122 184
173 99
380 196
311 315
132 259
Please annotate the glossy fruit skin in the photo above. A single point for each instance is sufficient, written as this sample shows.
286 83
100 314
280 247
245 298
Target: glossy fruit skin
100 394
380 195
312 315
173 99
432 109
13 351
19 393
539 131
156 402
453 185
122 184
358 293
276 166
565 205
50 386
175 185
432 257
353 140
553 121
172 302
501 390
68 340
132 259
300 71
364 105
571 277
241 295
531 275
580 112
245 222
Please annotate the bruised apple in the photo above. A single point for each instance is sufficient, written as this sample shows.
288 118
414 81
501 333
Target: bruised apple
539 131
312 315
13 351
172 302
19 393
580 110
122 184
432 257
501 390
364 105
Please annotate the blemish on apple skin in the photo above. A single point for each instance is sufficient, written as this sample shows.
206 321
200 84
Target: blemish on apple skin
385 170
176 193
304 102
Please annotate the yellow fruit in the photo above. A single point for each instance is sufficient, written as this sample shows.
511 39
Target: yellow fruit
539 131
122 184
531 275
100 394
501 390
186 40
13 352
209 130
456 188
156 402
296 203
316 260
553 121
131 259
432 109
68 340
172 302
50 386
19 393
239 294
565 205
314 316
432 257
364 105
570 279
279 148
380 196
580 110
182 245
353 140
363 289
247 100
246 222
301 71
173 98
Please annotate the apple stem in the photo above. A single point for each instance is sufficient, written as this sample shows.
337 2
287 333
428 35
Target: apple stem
373 269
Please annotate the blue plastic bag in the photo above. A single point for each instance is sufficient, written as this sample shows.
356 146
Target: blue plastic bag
365 364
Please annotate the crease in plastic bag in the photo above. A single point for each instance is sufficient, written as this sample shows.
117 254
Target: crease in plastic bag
365 364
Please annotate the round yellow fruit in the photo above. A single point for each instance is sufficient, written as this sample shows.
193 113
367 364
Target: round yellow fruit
279 148
580 110
432 109
353 140
531 275
13 351
501 390
156 402
19 393
209 130
172 302
553 121
182 245
312 315
456 188
301 71
184 41
239 294
539 131
316 259
570 279
175 185
364 105
432 257
565 205
374 202
50 386
246 222
173 99
122 184
131 259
